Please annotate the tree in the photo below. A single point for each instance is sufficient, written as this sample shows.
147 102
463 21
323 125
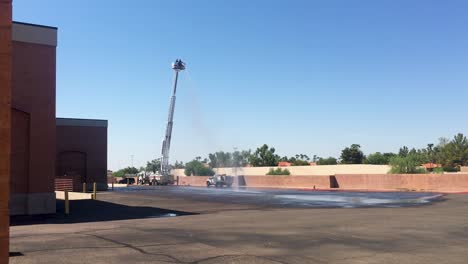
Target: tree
379 158
352 155
406 164
457 151
179 165
130 170
222 159
403 152
327 161
240 158
197 168
297 160
123 172
264 156
430 152
315 158
153 166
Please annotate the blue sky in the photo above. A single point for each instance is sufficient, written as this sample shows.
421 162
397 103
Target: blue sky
303 76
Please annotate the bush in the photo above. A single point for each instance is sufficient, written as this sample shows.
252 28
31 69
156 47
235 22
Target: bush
278 171
451 169
406 165
438 170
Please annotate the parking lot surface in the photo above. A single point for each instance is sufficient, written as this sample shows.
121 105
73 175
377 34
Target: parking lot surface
196 225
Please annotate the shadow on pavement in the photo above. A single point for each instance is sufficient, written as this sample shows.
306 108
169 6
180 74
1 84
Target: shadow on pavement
83 211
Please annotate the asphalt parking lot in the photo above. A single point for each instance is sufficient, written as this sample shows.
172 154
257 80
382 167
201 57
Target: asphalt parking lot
196 225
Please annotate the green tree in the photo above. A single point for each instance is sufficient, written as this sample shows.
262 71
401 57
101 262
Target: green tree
153 166
403 152
264 156
119 173
240 158
123 172
327 161
379 158
130 170
457 151
408 164
352 155
178 165
197 168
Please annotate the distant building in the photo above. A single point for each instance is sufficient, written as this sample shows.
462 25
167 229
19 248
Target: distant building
284 164
431 166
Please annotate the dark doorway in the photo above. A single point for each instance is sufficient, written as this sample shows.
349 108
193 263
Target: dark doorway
72 163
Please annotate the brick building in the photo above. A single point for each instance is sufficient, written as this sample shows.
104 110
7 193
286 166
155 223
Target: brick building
5 124
33 119
82 151
42 146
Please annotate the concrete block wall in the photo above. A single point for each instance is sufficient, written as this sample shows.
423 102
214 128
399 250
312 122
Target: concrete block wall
5 125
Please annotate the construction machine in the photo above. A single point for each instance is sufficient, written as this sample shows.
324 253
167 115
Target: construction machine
164 177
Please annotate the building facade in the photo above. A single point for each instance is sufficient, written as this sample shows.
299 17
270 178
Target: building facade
43 147
33 119
82 151
5 125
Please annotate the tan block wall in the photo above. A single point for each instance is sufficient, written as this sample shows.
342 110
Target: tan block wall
5 125
303 170
464 169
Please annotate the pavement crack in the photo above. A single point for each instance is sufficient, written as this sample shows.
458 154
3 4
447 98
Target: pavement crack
200 261
142 251
59 249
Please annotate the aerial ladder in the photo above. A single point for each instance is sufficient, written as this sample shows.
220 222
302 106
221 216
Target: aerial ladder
166 177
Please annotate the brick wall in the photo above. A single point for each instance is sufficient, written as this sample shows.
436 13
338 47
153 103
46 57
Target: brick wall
417 182
70 183
276 181
372 182
82 149
5 124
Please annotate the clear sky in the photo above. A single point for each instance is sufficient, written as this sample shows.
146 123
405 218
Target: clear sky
303 76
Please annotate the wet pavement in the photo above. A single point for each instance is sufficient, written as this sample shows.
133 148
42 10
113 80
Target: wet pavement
291 198
187 225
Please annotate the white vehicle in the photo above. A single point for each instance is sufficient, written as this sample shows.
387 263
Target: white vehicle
220 181
154 179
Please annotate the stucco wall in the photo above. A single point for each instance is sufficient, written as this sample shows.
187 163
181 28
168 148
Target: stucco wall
5 125
303 170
